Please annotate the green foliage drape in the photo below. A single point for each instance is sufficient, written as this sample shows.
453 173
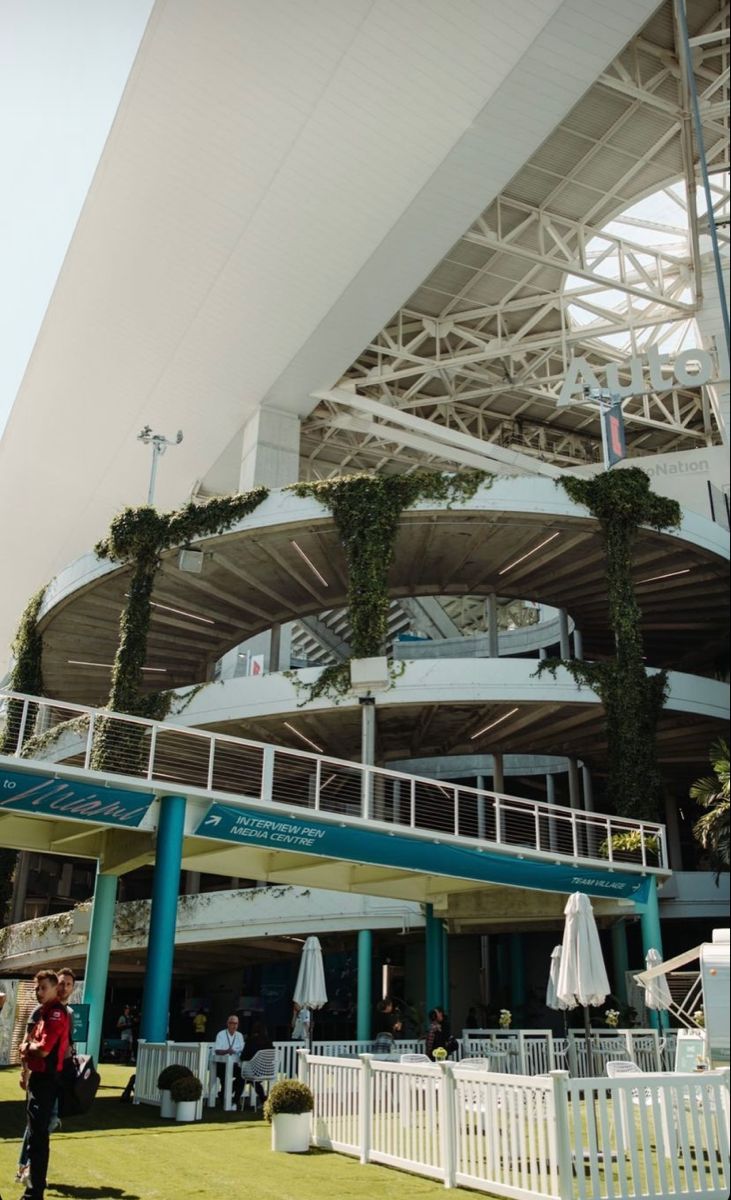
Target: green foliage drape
26 676
139 536
367 510
622 501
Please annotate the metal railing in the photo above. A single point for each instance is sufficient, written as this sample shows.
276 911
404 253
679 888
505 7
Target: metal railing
175 757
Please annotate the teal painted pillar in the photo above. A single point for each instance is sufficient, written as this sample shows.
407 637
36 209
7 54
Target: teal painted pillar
652 939
163 915
365 993
620 960
500 991
433 946
445 969
517 978
97 957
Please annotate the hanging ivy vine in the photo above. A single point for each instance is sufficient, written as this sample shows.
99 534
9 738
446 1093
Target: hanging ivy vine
139 536
26 676
27 673
622 501
367 510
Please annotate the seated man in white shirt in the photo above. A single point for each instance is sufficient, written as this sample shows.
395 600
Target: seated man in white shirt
230 1042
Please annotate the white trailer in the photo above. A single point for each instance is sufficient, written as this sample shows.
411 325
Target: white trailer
708 993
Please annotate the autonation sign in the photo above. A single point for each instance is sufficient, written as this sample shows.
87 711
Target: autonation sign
691 368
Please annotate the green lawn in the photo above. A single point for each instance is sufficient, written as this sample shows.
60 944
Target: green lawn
124 1152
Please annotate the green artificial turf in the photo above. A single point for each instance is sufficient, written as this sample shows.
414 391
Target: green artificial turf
125 1152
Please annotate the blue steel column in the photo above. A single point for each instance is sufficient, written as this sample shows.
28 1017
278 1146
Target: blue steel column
652 939
517 978
446 984
97 957
365 974
621 961
161 944
433 947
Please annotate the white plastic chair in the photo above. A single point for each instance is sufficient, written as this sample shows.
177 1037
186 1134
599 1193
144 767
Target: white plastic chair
624 1068
414 1058
259 1069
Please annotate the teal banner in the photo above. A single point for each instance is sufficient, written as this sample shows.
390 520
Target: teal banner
224 823
34 793
79 1022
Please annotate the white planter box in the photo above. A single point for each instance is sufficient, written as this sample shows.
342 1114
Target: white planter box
291 1132
185 1110
369 675
167 1105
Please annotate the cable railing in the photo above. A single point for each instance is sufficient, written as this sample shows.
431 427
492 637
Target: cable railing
244 771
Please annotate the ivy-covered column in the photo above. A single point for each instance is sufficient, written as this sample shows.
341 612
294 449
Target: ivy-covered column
367 510
26 677
138 537
622 501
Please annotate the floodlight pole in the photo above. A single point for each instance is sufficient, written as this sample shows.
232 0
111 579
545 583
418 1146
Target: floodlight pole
604 400
159 445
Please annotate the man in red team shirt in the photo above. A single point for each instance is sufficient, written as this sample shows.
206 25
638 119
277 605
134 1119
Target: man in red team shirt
42 1052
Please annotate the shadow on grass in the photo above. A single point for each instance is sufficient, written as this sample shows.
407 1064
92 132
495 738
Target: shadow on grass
109 1115
90 1193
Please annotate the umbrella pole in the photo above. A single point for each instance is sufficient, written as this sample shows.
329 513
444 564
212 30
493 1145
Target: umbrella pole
587 1032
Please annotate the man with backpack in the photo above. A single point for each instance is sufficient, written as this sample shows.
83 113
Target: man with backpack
42 1052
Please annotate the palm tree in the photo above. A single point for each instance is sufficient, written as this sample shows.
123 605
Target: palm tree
712 829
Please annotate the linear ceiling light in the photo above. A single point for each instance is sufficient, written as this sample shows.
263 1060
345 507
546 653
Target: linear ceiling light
310 564
79 662
180 611
302 737
669 575
529 552
493 724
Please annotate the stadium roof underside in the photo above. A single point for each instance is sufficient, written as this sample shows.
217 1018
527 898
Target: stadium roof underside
277 185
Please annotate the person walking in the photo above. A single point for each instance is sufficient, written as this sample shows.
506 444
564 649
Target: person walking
230 1042
42 1052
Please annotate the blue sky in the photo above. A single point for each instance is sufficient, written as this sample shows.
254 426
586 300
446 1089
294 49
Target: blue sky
63 66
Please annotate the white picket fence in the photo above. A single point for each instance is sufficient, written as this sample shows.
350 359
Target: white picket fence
528 1138
286 1052
537 1051
153 1056
512 1052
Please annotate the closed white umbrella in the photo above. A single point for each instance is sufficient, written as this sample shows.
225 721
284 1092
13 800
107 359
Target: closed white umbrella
310 992
582 976
552 1000
657 992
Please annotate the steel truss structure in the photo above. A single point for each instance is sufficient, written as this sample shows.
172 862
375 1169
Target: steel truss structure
557 267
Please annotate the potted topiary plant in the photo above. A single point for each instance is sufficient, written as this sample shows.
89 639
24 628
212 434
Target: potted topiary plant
165 1081
288 1109
185 1094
